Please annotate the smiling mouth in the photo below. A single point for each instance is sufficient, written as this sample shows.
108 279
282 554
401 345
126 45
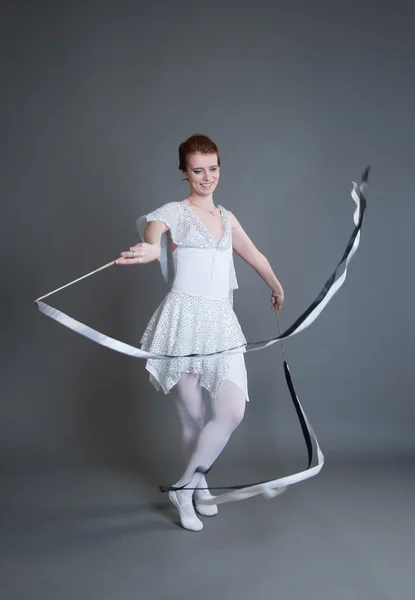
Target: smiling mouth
207 184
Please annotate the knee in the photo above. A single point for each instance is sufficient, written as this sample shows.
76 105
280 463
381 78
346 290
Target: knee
195 420
235 415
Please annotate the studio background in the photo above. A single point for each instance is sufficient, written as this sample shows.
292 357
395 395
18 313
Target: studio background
300 98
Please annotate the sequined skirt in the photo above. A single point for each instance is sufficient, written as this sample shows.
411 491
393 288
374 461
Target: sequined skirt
185 324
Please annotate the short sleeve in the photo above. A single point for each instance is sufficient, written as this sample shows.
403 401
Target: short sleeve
168 214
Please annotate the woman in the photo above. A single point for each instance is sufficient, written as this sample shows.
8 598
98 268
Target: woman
194 241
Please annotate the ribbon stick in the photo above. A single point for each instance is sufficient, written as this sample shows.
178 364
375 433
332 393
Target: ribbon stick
76 280
331 287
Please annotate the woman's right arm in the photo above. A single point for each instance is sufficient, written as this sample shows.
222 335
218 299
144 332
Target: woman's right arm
146 251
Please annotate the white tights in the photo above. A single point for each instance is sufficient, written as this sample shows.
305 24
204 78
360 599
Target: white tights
203 444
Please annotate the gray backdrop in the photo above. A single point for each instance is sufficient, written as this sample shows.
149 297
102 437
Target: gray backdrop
300 97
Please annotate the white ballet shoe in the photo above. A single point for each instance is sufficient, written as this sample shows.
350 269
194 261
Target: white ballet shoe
207 510
183 502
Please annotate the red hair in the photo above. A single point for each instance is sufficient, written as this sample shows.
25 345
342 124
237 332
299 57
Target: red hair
197 143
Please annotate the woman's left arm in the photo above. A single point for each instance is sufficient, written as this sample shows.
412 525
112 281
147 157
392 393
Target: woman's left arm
247 250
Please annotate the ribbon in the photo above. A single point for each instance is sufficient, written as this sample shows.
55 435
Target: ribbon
269 488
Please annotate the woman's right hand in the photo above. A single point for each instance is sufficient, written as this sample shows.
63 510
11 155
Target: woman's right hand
139 254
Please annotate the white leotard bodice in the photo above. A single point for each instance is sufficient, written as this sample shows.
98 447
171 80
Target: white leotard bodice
203 271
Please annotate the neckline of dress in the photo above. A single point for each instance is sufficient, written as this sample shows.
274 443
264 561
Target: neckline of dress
217 242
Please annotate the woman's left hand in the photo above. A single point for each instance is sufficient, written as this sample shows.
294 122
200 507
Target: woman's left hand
277 299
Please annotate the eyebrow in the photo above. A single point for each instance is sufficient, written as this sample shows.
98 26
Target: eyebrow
206 167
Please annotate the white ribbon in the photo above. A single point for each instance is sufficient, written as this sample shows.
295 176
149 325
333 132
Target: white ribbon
273 487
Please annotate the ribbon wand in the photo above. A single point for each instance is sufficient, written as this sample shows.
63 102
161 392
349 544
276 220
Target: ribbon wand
76 280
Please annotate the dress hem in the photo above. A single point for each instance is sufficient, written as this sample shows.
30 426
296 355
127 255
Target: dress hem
156 382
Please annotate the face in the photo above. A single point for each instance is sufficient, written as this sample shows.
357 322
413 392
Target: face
202 173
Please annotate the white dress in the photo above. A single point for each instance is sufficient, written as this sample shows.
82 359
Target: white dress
196 316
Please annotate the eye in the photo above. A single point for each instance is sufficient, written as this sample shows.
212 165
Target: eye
213 169
197 171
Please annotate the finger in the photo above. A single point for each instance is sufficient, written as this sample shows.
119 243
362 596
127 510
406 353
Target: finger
121 261
127 261
130 254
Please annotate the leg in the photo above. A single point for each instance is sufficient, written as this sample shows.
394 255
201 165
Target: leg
188 397
227 412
